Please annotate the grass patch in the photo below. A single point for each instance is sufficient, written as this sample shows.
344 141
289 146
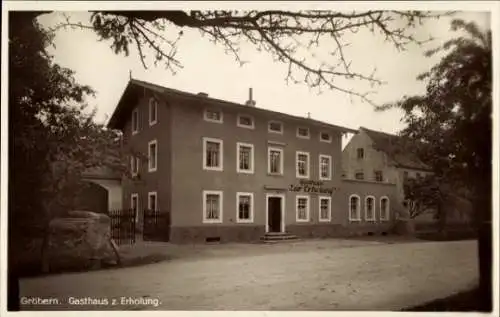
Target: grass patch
462 302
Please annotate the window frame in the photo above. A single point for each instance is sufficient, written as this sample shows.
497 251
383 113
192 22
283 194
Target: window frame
308 137
274 131
358 207
277 149
238 123
153 101
134 163
155 168
135 128
381 176
329 219
132 196
252 159
206 118
155 195
330 167
373 218
219 168
362 157
251 211
387 212
329 137
220 193
308 209
308 167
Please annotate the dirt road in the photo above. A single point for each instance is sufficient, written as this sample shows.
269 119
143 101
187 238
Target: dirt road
364 277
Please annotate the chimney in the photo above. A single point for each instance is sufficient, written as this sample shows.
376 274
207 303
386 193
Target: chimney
250 102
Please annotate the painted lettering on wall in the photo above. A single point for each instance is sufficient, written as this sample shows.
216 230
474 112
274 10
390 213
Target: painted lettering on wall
310 186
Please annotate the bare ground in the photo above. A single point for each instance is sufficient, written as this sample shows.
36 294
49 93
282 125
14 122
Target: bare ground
309 275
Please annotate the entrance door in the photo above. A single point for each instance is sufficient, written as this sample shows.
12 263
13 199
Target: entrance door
274 214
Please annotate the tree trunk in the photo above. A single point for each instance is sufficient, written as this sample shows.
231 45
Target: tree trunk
483 209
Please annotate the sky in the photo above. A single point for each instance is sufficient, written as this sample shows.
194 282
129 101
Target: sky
207 68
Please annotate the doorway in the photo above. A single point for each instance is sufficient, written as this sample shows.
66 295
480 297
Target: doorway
275 216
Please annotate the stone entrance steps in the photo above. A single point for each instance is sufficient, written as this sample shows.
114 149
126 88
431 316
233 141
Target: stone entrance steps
278 237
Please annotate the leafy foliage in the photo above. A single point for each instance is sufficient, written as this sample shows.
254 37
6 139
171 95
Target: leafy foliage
311 43
53 139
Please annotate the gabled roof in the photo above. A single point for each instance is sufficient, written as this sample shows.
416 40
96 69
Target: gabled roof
135 87
392 145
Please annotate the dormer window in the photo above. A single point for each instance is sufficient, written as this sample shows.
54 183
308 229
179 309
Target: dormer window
303 133
245 121
325 137
212 115
153 111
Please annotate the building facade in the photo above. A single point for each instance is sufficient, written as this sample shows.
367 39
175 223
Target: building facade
235 172
375 156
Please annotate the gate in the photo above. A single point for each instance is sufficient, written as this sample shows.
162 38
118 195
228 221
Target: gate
123 226
156 225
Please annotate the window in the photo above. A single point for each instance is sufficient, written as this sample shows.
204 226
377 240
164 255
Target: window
418 175
379 176
360 153
152 155
245 121
245 158
244 207
152 201
302 165
302 208
212 154
134 165
325 167
325 208
275 161
325 137
134 205
135 121
303 133
211 115
275 127
212 206
153 109
359 175
384 208
354 208
370 208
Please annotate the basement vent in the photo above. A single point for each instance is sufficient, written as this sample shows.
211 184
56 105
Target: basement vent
212 239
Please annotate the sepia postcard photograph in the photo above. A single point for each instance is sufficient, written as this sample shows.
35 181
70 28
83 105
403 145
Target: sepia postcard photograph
249 157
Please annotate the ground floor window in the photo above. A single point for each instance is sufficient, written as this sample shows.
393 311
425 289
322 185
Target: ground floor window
134 205
325 208
354 207
384 208
370 208
212 206
244 207
152 201
302 208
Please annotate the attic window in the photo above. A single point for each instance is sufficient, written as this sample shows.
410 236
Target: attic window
360 153
275 127
245 121
213 115
325 137
303 133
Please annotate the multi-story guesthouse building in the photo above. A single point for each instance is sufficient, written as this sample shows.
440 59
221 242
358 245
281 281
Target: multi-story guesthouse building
236 172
